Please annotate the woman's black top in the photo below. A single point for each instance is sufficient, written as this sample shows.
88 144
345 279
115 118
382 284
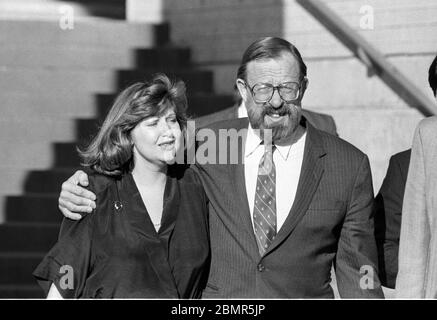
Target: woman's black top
115 252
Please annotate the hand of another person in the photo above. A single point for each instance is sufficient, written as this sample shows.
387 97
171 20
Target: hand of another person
74 199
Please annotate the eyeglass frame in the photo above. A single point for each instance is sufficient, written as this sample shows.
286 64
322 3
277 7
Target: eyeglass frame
274 88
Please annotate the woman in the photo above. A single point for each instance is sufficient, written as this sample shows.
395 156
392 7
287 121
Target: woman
148 237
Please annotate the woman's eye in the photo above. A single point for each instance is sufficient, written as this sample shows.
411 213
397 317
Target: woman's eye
173 120
152 124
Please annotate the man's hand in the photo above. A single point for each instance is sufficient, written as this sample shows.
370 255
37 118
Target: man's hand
74 199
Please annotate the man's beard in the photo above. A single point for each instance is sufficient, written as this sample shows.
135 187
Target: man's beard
279 131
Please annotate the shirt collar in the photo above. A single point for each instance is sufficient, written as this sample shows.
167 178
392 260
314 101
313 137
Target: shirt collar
253 142
242 111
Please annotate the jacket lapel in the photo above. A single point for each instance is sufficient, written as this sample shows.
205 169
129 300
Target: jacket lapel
134 208
311 173
140 222
241 206
171 204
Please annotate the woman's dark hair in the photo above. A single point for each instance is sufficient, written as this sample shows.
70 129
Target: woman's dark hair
111 151
269 48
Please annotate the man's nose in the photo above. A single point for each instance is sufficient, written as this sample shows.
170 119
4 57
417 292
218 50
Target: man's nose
276 100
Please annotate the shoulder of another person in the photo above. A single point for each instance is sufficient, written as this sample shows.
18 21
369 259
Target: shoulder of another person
401 158
428 127
224 114
237 123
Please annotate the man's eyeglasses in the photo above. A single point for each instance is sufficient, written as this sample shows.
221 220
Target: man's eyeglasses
263 92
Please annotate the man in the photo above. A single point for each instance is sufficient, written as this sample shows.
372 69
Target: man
297 201
388 212
388 206
321 121
417 277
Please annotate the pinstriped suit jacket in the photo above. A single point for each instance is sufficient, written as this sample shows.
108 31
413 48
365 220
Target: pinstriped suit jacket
330 220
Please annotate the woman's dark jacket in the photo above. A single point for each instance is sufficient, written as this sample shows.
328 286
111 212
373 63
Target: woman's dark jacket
115 252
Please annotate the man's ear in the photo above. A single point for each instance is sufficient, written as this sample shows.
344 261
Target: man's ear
242 89
304 86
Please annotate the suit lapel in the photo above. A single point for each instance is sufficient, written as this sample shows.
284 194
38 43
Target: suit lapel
311 173
171 205
241 206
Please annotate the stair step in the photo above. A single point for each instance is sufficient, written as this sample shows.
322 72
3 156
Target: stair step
86 129
46 181
36 131
31 208
167 57
49 9
197 81
24 154
91 58
21 292
199 104
28 237
86 33
57 81
203 104
38 81
46 105
66 155
17 268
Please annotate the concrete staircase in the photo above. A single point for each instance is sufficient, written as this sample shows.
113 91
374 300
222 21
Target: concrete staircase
55 88
53 9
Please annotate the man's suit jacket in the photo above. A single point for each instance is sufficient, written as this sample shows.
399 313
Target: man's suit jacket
331 219
417 276
388 212
321 121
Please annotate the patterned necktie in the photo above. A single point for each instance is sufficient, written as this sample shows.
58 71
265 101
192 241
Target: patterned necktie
264 210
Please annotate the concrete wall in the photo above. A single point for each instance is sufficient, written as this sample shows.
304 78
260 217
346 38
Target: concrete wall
368 113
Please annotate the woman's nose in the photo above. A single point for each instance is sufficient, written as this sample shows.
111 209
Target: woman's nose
164 126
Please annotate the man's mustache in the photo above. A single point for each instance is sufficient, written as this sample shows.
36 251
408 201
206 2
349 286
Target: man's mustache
283 111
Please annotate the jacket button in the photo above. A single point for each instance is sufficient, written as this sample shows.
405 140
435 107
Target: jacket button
261 267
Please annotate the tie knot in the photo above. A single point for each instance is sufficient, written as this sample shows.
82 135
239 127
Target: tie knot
266 163
269 149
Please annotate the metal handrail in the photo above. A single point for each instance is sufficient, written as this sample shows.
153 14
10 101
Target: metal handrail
370 56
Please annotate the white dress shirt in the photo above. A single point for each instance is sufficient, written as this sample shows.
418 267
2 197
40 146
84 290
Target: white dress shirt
288 163
242 111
